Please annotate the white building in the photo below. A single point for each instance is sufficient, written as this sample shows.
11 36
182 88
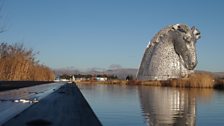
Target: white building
101 78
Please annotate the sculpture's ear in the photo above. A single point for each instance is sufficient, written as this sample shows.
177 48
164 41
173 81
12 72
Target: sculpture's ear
196 32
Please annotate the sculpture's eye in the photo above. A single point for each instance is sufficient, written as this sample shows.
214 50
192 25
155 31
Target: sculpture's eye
182 30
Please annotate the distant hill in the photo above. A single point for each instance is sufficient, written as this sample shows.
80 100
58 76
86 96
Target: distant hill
219 74
216 74
68 71
122 73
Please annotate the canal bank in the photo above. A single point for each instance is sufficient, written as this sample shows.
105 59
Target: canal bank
195 80
9 85
66 106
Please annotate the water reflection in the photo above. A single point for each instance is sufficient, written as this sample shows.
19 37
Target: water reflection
118 105
114 105
170 106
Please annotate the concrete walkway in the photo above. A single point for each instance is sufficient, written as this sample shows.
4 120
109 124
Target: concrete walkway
64 107
13 102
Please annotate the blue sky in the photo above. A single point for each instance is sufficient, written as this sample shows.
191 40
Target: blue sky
94 33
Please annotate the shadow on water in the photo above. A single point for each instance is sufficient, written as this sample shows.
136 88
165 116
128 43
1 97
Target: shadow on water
171 106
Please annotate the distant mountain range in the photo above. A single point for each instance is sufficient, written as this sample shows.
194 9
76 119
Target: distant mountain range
219 74
121 73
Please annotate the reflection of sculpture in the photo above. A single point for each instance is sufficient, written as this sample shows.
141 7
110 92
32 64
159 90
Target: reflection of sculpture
168 106
170 54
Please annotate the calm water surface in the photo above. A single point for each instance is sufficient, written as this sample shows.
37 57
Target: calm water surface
117 105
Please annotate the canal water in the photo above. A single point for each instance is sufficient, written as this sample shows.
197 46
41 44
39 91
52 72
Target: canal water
117 105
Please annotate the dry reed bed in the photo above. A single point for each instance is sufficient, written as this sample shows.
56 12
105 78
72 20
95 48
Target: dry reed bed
195 80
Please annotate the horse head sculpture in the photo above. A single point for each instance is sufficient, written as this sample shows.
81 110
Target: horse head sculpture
170 54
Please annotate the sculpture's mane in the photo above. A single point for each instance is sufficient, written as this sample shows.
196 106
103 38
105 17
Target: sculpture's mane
150 47
157 38
164 32
163 35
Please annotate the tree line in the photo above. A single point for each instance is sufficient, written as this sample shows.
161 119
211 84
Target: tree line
88 76
19 63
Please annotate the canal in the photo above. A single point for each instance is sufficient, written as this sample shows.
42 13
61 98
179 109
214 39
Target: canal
145 105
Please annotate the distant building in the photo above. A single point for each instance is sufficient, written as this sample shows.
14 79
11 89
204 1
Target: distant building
57 79
101 78
64 80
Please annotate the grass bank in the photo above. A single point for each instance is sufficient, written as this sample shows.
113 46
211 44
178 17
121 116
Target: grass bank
195 80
